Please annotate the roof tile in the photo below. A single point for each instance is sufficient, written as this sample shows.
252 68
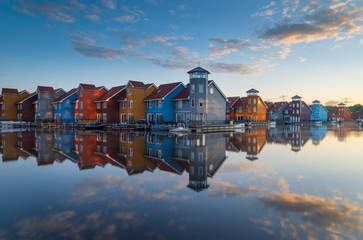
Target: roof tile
162 91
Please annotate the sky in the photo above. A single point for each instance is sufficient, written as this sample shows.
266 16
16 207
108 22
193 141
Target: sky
282 48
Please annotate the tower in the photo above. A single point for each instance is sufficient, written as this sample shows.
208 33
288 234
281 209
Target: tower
296 108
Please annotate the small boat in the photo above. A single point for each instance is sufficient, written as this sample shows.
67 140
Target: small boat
95 126
248 124
318 123
179 130
272 124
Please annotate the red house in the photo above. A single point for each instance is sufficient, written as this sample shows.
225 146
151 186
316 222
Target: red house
25 107
230 108
107 107
85 107
340 113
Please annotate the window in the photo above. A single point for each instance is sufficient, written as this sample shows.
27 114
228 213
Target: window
105 117
249 109
200 102
131 104
200 157
201 88
227 110
131 152
149 104
192 156
297 105
211 90
81 116
249 101
254 108
297 111
123 105
200 171
293 105
192 88
76 105
179 104
254 101
193 103
98 105
105 105
131 117
55 106
80 105
239 110
159 153
130 91
80 93
158 103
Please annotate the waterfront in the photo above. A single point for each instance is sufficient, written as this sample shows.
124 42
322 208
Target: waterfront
291 182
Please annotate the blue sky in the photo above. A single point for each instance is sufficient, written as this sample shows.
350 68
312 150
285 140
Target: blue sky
311 48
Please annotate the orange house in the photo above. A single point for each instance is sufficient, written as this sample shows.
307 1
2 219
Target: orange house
132 105
251 108
340 113
8 98
85 108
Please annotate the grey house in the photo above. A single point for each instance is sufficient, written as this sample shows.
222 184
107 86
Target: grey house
276 111
201 102
43 106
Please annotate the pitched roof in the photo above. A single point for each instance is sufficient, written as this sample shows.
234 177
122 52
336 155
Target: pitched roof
198 69
87 86
184 94
252 90
9 91
241 103
162 91
45 89
296 96
334 110
277 106
341 104
64 96
138 84
123 97
110 94
231 101
220 91
316 102
26 98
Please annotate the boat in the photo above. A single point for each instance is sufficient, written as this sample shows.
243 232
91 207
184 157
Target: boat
95 126
179 130
248 124
272 124
318 123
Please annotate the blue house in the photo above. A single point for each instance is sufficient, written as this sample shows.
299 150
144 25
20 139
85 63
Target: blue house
319 112
160 105
64 108
64 145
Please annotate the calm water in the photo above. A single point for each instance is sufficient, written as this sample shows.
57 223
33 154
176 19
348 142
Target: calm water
283 183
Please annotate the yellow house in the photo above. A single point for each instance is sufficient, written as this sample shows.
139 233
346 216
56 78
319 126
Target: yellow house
9 96
132 105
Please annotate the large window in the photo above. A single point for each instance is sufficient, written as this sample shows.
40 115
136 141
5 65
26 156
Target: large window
123 105
149 104
131 104
201 88
98 105
81 105
105 105
192 88
130 91
193 103
179 104
200 102
198 75
158 103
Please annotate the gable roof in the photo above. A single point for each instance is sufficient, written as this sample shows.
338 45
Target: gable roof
220 91
26 98
64 96
138 84
198 69
241 103
9 91
45 89
110 94
184 94
252 90
231 101
277 106
91 87
162 91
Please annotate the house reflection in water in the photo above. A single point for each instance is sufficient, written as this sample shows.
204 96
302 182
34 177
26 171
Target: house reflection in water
294 135
251 142
318 133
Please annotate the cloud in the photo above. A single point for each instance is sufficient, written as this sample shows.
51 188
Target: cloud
172 12
132 41
317 25
331 102
88 48
271 4
126 18
228 46
301 59
361 41
111 4
235 68
283 53
268 12
93 17
52 10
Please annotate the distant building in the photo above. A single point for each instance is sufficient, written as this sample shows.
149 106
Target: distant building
276 111
357 115
230 108
132 105
296 111
25 108
159 104
202 101
340 113
64 107
107 107
318 112
8 99
43 105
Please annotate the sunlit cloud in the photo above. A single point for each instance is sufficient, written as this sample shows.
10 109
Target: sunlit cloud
126 18
331 102
93 17
111 4
235 68
301 59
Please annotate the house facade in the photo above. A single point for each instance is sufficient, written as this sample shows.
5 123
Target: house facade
8 99
107 107
201 102
64 107
318 112
230 108
340 113
132 105
296 111
159 105
43 105
276 111
84 105
25 108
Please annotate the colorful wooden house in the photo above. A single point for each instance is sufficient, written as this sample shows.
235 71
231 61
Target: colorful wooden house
64 107
25 108
296 111
230 108
276 111
318 112
132 105
340 113
107 107
43 105
84 105
8 99
202 101
159 104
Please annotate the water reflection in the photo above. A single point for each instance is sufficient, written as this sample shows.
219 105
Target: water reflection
291 182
